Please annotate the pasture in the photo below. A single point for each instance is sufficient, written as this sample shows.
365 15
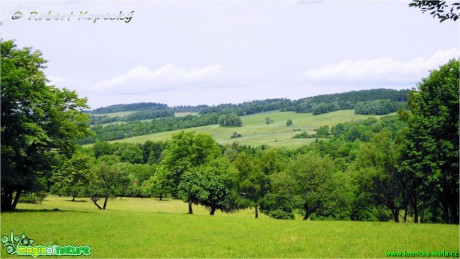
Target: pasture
134 227
255 132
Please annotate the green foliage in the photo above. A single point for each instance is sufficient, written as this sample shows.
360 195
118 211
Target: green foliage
325 108
304 135
308 182
138 175
376 177
210 185
219 114
109 180
345 101
363 130
230 120
256 133
323 131
134 116
278 202
252 183
430 146
184 152
40 123
73 177
153 151
289 122
157 185
139 128
379 107
102 148
437 9
236 135
132 154
131 107
268 120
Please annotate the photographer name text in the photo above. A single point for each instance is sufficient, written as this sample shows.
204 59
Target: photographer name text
73 16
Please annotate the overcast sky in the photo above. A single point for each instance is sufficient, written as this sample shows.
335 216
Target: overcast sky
212 52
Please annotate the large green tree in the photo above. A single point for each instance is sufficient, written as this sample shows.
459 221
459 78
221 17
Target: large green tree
211 185
308 182
73 177
108 181
376 176
40 123
253 178
184 152
430 149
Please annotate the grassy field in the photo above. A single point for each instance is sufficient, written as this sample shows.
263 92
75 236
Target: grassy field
151 228
183 114
255 132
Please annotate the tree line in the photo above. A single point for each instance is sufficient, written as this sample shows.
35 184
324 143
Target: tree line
135 116
317 104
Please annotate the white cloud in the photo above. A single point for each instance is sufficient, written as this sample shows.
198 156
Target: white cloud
382 69
168 77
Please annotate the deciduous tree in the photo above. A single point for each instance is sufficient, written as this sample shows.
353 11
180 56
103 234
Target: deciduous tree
430 148
40 123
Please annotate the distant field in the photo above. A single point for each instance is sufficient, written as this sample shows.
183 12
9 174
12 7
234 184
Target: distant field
255 132
133 227
183 114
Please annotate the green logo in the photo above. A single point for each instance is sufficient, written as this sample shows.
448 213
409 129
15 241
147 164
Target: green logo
22 245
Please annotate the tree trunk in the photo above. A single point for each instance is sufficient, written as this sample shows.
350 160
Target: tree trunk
308 212
73 198
213 210
395 213
414 206
7 199
105 202
454 212
445 212
256 208
95 203
190 209
161 197
16 199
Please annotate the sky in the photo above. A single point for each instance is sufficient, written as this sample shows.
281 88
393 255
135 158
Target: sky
193 52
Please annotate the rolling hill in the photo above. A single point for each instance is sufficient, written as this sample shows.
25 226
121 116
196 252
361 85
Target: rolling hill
255 132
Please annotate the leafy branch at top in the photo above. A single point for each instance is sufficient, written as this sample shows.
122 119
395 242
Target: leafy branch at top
438 9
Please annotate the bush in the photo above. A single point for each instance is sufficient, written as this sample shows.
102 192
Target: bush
36 197
289 122
230 120
281 214
236 135
304 135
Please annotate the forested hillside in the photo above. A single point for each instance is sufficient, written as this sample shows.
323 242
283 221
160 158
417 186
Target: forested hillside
367 102
316 104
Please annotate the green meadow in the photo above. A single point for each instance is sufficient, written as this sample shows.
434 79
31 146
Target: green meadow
134 227
255 132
